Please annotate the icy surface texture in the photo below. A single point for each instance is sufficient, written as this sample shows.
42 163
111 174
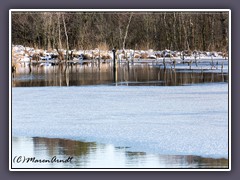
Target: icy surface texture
176 120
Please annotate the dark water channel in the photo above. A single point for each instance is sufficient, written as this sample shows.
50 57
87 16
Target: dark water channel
142 74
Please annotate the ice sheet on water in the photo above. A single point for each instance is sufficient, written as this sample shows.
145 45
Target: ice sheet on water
181 120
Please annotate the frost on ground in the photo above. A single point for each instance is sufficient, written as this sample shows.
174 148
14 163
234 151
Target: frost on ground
182 120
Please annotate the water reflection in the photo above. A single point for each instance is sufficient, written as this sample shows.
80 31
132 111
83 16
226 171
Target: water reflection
93 155
91 74
64 147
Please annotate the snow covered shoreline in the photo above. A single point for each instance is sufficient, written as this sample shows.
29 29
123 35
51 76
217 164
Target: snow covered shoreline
25 54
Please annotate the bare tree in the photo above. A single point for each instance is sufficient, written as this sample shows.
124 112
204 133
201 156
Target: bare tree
66 35
160 30
126 32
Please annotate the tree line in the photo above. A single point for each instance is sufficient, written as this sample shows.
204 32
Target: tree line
205 31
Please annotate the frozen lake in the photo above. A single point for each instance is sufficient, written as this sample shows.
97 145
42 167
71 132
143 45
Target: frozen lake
158 120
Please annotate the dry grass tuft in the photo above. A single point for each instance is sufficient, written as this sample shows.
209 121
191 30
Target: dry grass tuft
103 47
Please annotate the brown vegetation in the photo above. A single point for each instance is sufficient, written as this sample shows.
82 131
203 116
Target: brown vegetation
205 31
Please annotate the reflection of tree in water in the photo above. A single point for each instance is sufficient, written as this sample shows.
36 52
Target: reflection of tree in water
75 75
56 146
193 161
210 162
133 158
177 161
133 155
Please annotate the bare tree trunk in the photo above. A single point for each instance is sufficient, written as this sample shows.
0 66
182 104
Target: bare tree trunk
224 33
174 31
147 26
190 46
212 36
65 30
186 44
59 32
167 34
120 34
125 37
180 32
54 36
49 31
